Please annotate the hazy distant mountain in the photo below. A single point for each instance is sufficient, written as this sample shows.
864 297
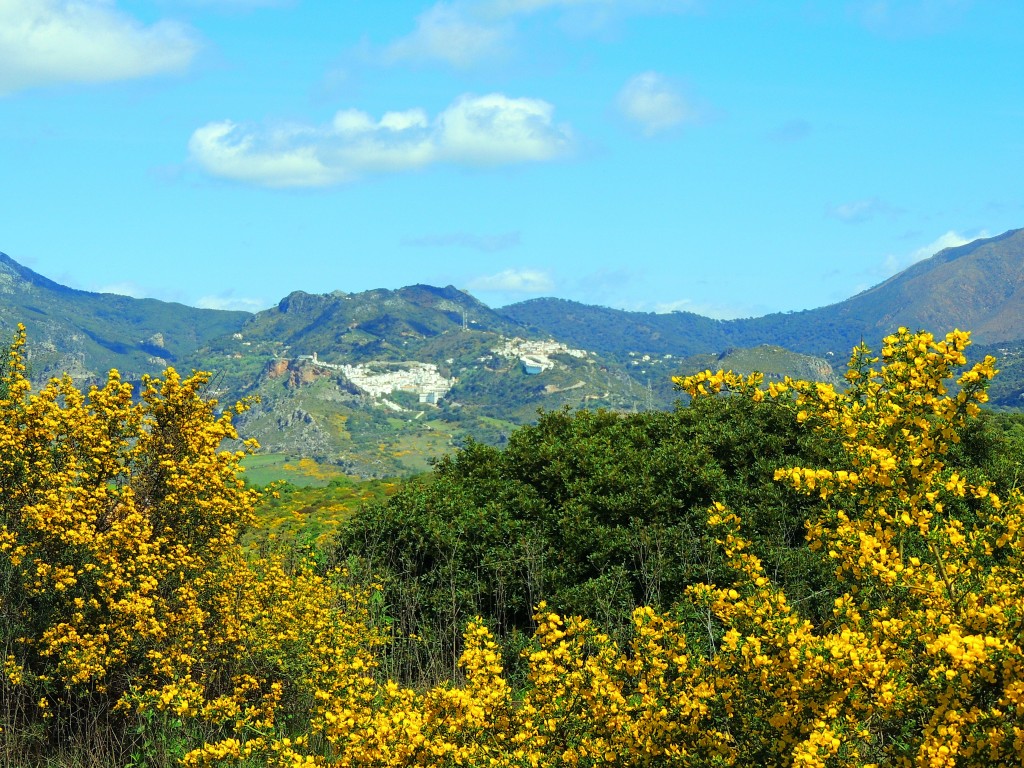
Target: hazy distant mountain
376 381
977 287
620 332
85 334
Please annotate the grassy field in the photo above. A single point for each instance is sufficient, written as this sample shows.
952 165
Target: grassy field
310 515
264 468
414 450
308 499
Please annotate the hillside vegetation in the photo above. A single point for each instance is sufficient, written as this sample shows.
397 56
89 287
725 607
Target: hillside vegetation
775 574
311 357
86 334
979 285
327 407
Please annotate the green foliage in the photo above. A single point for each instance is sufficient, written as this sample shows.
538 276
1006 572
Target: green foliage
309 516
593 511
599 512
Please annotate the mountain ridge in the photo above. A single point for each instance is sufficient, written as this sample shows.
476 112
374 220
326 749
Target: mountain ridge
85 334
978 286
954 286
377 380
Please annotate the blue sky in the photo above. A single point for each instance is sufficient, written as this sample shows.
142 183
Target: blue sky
723 157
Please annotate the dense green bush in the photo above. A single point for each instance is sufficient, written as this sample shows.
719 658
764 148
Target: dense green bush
593 511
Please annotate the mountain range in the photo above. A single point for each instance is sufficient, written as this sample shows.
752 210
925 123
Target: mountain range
978 286
85 334
375 381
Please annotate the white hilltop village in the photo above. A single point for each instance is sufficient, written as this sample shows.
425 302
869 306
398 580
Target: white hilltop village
378 379
536 355
381 378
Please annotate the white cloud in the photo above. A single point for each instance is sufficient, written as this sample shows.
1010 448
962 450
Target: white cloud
227 301
654 103
704 309
486 130
465 32
514 281
485 243
950 239
859 211
444 32
84 41
494 129
681 305
225 149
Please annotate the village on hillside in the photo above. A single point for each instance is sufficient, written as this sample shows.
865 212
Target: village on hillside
379 379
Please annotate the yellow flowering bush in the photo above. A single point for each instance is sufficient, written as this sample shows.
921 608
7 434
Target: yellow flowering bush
115 517
127 602
123 580
920 663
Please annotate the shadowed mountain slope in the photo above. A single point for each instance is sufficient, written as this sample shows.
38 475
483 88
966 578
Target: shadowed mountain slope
978 286
86 334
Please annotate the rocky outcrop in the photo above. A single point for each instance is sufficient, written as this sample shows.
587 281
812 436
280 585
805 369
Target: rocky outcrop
298 372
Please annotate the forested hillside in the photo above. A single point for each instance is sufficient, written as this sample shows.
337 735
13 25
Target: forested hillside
86 334
978 286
